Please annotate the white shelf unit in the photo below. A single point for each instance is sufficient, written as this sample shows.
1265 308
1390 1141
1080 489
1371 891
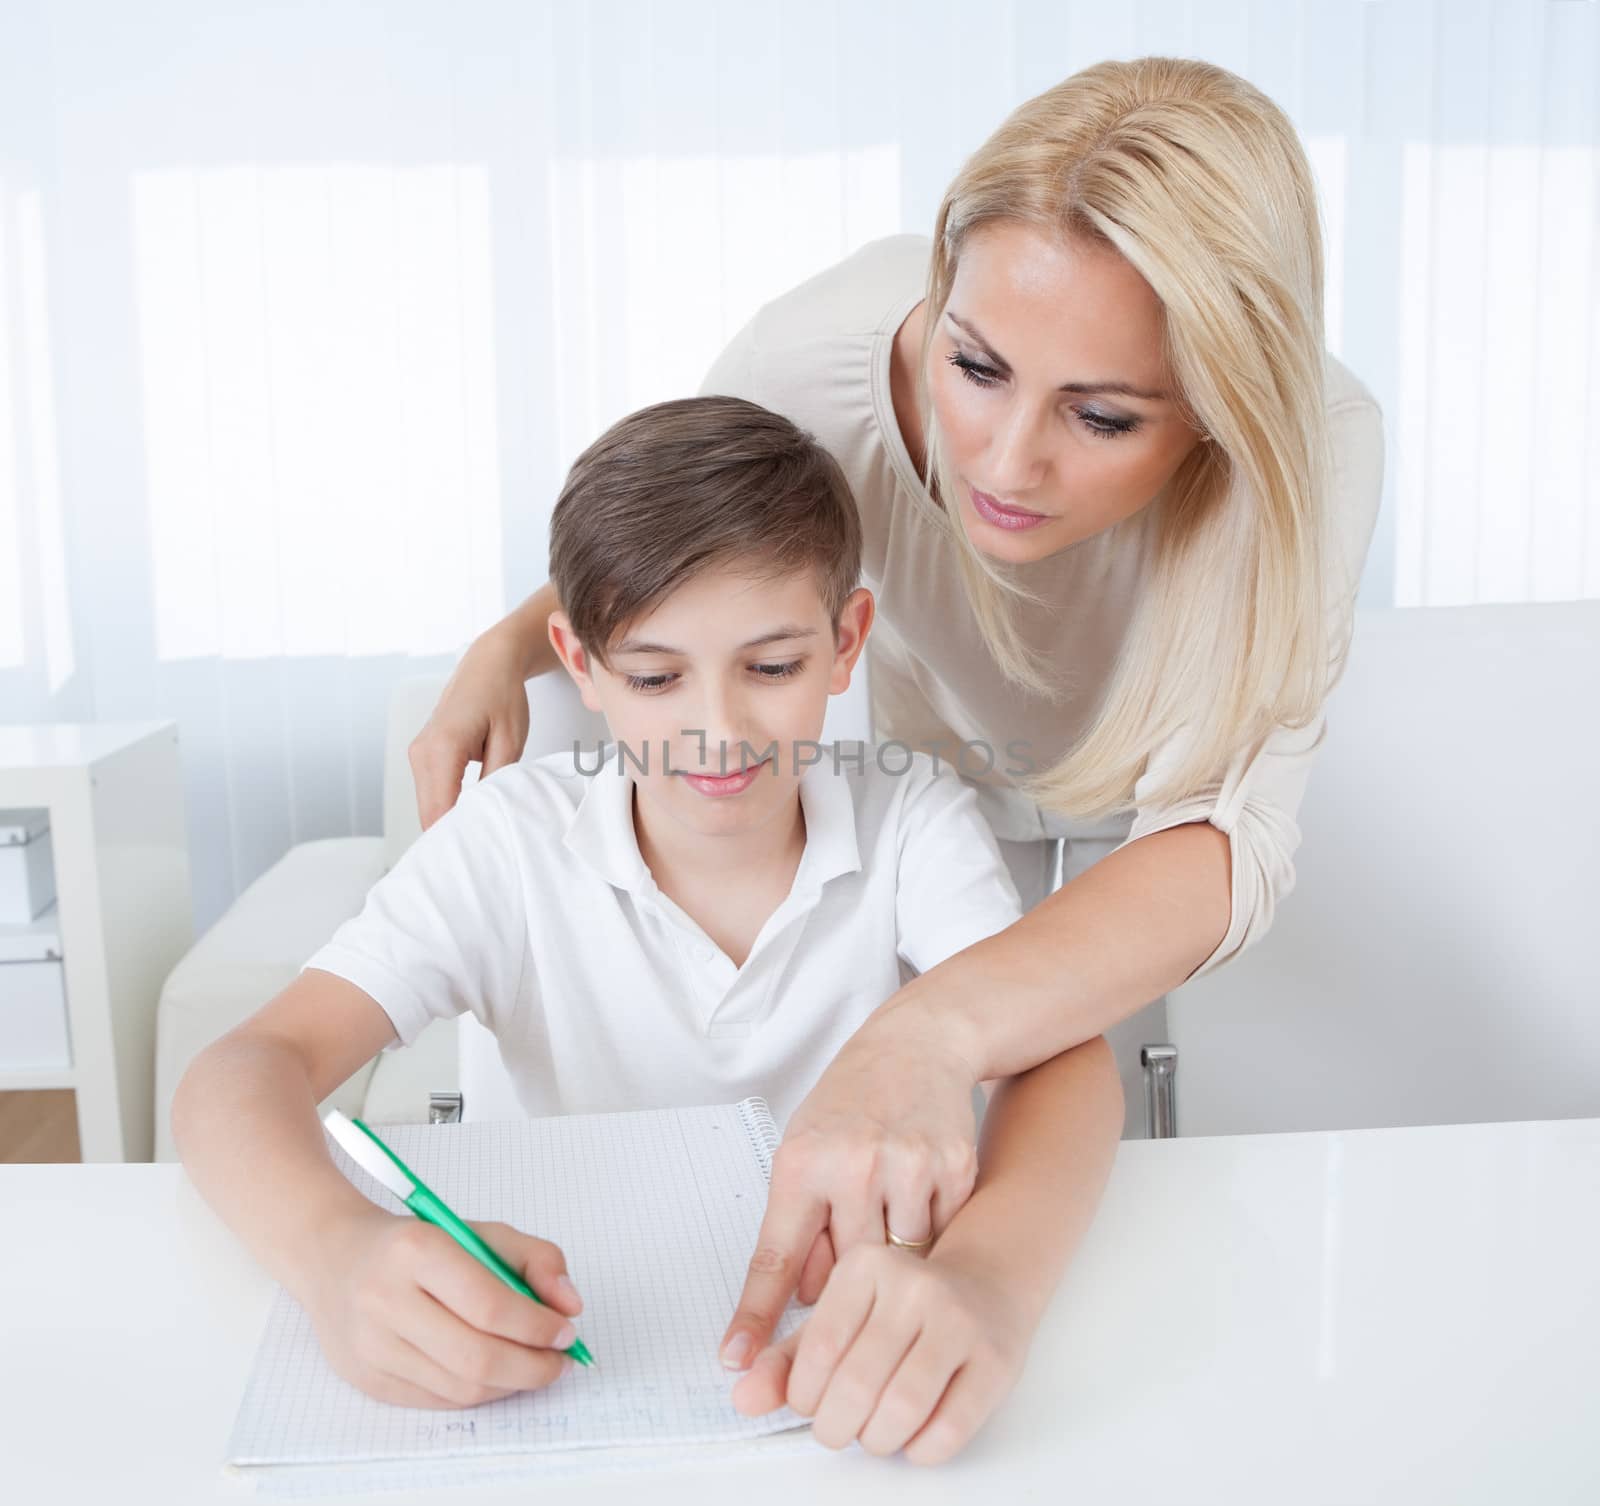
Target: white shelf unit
114 793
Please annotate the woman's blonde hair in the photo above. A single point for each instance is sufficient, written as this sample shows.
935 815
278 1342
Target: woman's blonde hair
1200 182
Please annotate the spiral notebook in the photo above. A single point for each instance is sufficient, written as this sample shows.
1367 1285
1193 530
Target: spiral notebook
657 1212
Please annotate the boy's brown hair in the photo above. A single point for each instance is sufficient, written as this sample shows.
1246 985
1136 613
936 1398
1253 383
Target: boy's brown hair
690 485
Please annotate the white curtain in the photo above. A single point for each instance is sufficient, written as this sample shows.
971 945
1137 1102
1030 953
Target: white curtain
304 309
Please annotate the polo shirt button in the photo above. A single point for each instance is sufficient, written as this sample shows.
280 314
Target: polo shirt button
704 953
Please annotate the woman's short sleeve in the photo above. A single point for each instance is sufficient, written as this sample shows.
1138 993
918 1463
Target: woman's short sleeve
1258 799
733 374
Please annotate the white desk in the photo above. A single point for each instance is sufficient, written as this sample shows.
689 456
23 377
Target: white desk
1377 1316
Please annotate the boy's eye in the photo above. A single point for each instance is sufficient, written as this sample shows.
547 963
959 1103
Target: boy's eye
648 682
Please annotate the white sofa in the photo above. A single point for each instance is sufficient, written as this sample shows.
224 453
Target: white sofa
266 935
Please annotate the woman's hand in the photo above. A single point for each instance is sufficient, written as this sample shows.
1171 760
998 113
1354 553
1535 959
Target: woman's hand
901 1352
482 715
883 1141
406 1315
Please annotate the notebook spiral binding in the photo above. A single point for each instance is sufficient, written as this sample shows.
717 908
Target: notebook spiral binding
762 1129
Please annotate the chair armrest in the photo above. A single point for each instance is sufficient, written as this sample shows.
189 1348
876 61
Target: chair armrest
255 951
1160 1065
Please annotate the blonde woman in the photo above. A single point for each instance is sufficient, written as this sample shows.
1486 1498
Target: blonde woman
1116 500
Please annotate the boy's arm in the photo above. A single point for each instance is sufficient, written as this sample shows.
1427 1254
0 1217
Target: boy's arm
444 931
1049 1137
244 1119
916 1354
400 1309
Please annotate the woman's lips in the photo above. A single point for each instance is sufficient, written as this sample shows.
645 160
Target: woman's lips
1002 516
729 784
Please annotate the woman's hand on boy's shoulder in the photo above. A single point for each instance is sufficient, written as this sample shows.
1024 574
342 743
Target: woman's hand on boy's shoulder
406 1315
901 1352
481 716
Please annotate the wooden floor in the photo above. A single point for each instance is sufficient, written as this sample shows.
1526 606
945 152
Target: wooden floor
38 1126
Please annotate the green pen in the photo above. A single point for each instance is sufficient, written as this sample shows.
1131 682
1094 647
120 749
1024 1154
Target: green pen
384 1166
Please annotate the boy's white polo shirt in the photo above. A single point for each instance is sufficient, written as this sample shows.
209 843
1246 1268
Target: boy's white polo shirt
529 905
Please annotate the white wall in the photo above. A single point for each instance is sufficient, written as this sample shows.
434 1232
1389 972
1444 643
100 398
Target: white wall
305 308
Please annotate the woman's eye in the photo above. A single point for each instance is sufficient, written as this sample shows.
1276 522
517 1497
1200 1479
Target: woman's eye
647 682
974 371
1104 424
779 671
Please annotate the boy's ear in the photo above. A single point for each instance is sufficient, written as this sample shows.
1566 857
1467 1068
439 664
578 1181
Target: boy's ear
574 657
850 637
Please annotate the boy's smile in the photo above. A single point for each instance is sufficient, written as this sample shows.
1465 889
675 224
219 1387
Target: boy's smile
717 787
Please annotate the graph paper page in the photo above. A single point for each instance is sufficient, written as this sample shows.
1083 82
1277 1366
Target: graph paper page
657 1213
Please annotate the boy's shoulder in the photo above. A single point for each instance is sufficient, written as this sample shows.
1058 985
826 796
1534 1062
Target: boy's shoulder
893 785
562 775
540 796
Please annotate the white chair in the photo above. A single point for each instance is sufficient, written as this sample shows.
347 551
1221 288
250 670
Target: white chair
1436 961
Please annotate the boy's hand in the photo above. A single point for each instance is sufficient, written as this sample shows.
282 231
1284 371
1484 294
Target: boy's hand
901 1352
884 1138
406 1315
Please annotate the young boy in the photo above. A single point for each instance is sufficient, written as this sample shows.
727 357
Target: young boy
708 911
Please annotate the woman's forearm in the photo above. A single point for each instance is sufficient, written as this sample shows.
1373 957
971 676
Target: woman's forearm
526 629
1049 1138
1125 931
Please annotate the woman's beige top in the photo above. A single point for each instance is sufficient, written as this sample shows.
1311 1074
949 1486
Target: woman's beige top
820 355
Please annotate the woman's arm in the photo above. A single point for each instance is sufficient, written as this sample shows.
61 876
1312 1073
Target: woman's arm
482 713
1125 931
525 629
902 1352
1105 944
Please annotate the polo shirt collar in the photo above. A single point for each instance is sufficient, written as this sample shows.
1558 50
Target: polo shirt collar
601 830
830 812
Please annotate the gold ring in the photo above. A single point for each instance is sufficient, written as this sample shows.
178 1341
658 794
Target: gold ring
905 1244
